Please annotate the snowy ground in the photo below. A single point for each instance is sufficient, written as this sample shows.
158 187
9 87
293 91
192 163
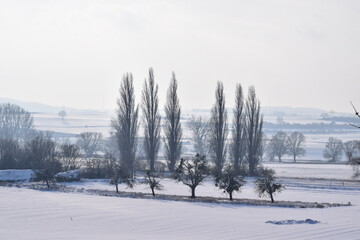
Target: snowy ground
31 214
330 171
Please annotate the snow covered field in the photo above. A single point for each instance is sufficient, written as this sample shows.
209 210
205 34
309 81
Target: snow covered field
32 214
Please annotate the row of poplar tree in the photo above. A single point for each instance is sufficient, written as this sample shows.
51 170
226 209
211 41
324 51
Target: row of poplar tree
244 145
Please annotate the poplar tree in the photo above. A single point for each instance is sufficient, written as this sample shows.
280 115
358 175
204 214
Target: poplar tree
152 119
172 126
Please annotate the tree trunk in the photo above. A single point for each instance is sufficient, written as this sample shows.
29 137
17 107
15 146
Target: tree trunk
117 188
294 158
271 196
153 192
192 192
47 184
230 194
251 168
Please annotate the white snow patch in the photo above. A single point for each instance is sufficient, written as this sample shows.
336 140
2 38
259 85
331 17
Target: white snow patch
73 175
12 175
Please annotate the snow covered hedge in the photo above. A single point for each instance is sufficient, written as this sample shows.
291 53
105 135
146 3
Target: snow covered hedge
15 175
70 176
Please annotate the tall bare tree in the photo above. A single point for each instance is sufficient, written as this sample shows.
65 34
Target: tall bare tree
126 123
356 113
218 129
172 127
152 119
296 144
200 133
238 137
253 129
15 123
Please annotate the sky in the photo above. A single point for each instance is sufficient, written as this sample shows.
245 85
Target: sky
74 53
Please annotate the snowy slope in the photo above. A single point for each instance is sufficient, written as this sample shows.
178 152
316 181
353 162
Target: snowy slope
30 214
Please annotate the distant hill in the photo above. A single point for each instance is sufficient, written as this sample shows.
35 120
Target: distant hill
292 111
35 107
266 110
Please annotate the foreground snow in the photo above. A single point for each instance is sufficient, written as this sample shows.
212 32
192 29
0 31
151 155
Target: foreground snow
31 214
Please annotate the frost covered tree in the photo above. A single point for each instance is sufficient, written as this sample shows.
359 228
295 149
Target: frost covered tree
333 149
238 144
253 130
192 172
200 132
126 124
218 129
90 143
172 126
278 145
152 119
230 181
152 179
265 184
121 176
295 144
15 123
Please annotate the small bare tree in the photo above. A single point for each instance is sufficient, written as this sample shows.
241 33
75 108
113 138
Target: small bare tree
62 114
278 144
152 119
333 149
126 124
218 129
200 132
152 179
192 172
121 175
295 145
90 143
172 126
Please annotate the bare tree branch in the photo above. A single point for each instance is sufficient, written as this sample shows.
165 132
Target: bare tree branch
357 114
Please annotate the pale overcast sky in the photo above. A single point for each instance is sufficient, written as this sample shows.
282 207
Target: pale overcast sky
74 53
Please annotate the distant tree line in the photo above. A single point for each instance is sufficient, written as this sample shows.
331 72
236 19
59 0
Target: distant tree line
282 144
